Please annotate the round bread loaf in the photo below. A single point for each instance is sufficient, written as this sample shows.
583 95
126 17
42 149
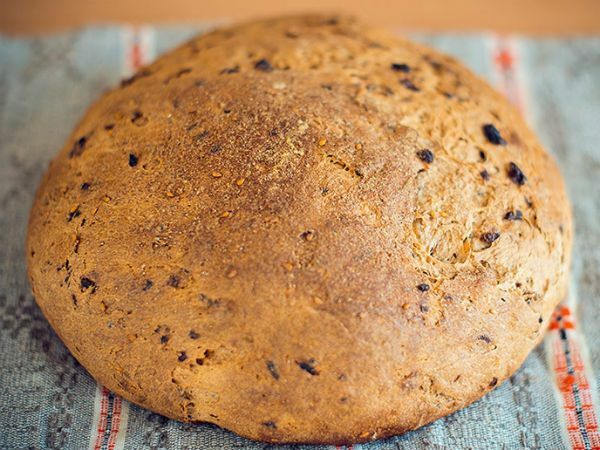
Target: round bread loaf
302 230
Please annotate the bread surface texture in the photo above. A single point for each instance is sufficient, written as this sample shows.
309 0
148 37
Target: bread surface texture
301 229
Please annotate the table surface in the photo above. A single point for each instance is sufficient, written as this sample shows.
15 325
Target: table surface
521 16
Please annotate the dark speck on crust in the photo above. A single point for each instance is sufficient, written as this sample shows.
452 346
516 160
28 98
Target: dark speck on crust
409 85
272 368
208 301
85 186
201 135
400 67
73 213
308 366
425 155
182 356
78 146
489 237
133 160
485 338
164 339
148 285
493 135
183 71
137 117
270 424
263 65
230 70
514 215
86 283
516 175
494 382
137 76
485 175
423 287
435 65
174 281
308 235
193 335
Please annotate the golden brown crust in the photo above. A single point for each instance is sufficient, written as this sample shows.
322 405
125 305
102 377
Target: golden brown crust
250 232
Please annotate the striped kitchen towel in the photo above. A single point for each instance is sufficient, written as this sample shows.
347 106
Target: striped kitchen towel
49 401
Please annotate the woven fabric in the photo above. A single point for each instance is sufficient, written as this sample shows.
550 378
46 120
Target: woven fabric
49 401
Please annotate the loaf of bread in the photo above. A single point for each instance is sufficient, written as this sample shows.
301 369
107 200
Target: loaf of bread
301 229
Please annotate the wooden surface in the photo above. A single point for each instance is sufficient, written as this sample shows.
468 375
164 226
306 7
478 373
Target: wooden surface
525 16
